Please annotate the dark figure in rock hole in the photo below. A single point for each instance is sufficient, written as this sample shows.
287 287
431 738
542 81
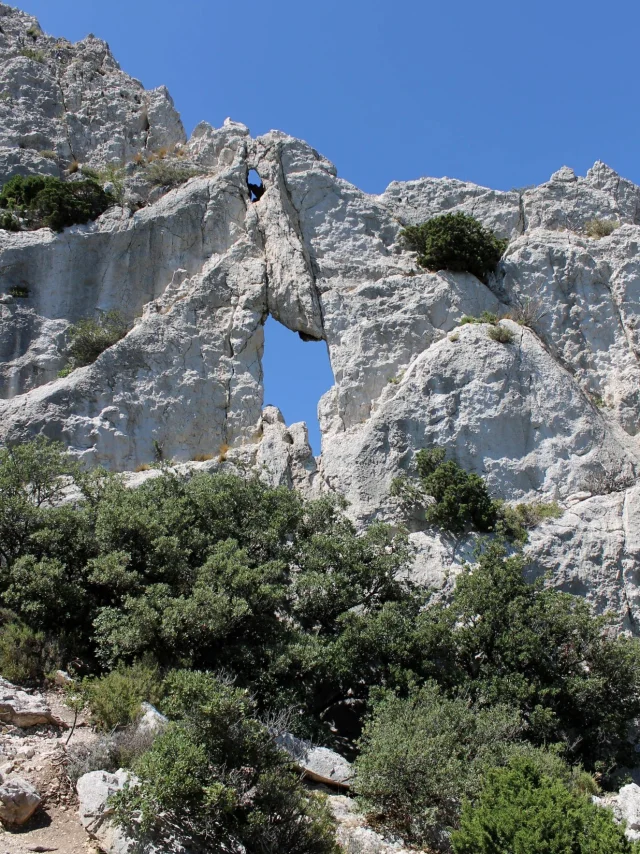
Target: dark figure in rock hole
256 191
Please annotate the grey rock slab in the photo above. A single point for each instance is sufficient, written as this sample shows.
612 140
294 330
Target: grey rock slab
317 763
94 789
18 801
21 709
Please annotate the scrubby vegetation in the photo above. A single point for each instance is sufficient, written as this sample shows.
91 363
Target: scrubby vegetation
152 591
32 53
598 228
39 201
456 242
501 334
163 173
217 776
527 808
90 337
485 317
457 501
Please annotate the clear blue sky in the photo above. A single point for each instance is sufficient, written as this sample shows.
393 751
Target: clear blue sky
498 92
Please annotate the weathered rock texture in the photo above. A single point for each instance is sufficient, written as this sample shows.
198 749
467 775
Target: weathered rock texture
197 269
18 801
21 709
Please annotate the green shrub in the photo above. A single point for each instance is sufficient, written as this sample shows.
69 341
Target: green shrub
31 53
48 153
421 755
503 640
19 292
598 228
520 518
216 774
162 173
456 242
25 655
90 337
485 317
44 201
461 500
114 700
521 810
9 222
501 334
33 476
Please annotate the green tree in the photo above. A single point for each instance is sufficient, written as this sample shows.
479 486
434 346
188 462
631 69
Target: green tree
422 754
33 477
457 242
504 640
44 201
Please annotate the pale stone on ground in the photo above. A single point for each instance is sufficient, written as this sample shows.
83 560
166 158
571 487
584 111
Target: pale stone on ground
22 709
18 801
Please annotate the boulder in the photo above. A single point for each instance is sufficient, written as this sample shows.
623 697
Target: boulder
18 801
152 721
317 763
627 807
94 789
24 710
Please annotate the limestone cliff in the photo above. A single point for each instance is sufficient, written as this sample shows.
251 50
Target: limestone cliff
197 269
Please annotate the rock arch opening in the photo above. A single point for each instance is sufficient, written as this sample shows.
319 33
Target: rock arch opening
255 185
296 373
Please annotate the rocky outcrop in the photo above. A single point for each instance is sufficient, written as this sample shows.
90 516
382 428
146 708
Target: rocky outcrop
62 102
196 269
21 709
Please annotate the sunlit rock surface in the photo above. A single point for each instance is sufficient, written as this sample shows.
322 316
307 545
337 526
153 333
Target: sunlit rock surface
197 268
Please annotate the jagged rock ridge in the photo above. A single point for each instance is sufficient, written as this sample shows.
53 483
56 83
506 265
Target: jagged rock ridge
197 269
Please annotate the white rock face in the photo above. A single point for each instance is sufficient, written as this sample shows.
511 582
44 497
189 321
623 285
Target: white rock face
18 801
627 804
196 270
73 99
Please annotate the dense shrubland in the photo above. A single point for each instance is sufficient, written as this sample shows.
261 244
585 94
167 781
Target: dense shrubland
150 591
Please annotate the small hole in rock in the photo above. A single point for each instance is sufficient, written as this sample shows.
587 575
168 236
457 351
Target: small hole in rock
255 185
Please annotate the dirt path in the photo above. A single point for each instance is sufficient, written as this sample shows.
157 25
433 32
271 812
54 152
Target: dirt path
36 754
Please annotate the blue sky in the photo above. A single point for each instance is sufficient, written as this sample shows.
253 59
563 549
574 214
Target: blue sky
498 92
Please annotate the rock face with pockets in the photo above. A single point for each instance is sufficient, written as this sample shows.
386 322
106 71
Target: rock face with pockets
195 267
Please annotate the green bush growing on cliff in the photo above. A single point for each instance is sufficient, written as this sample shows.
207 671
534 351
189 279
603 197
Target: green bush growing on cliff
43 201
459 499
456 242
90 337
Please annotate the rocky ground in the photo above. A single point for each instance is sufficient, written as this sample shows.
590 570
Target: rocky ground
37 754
